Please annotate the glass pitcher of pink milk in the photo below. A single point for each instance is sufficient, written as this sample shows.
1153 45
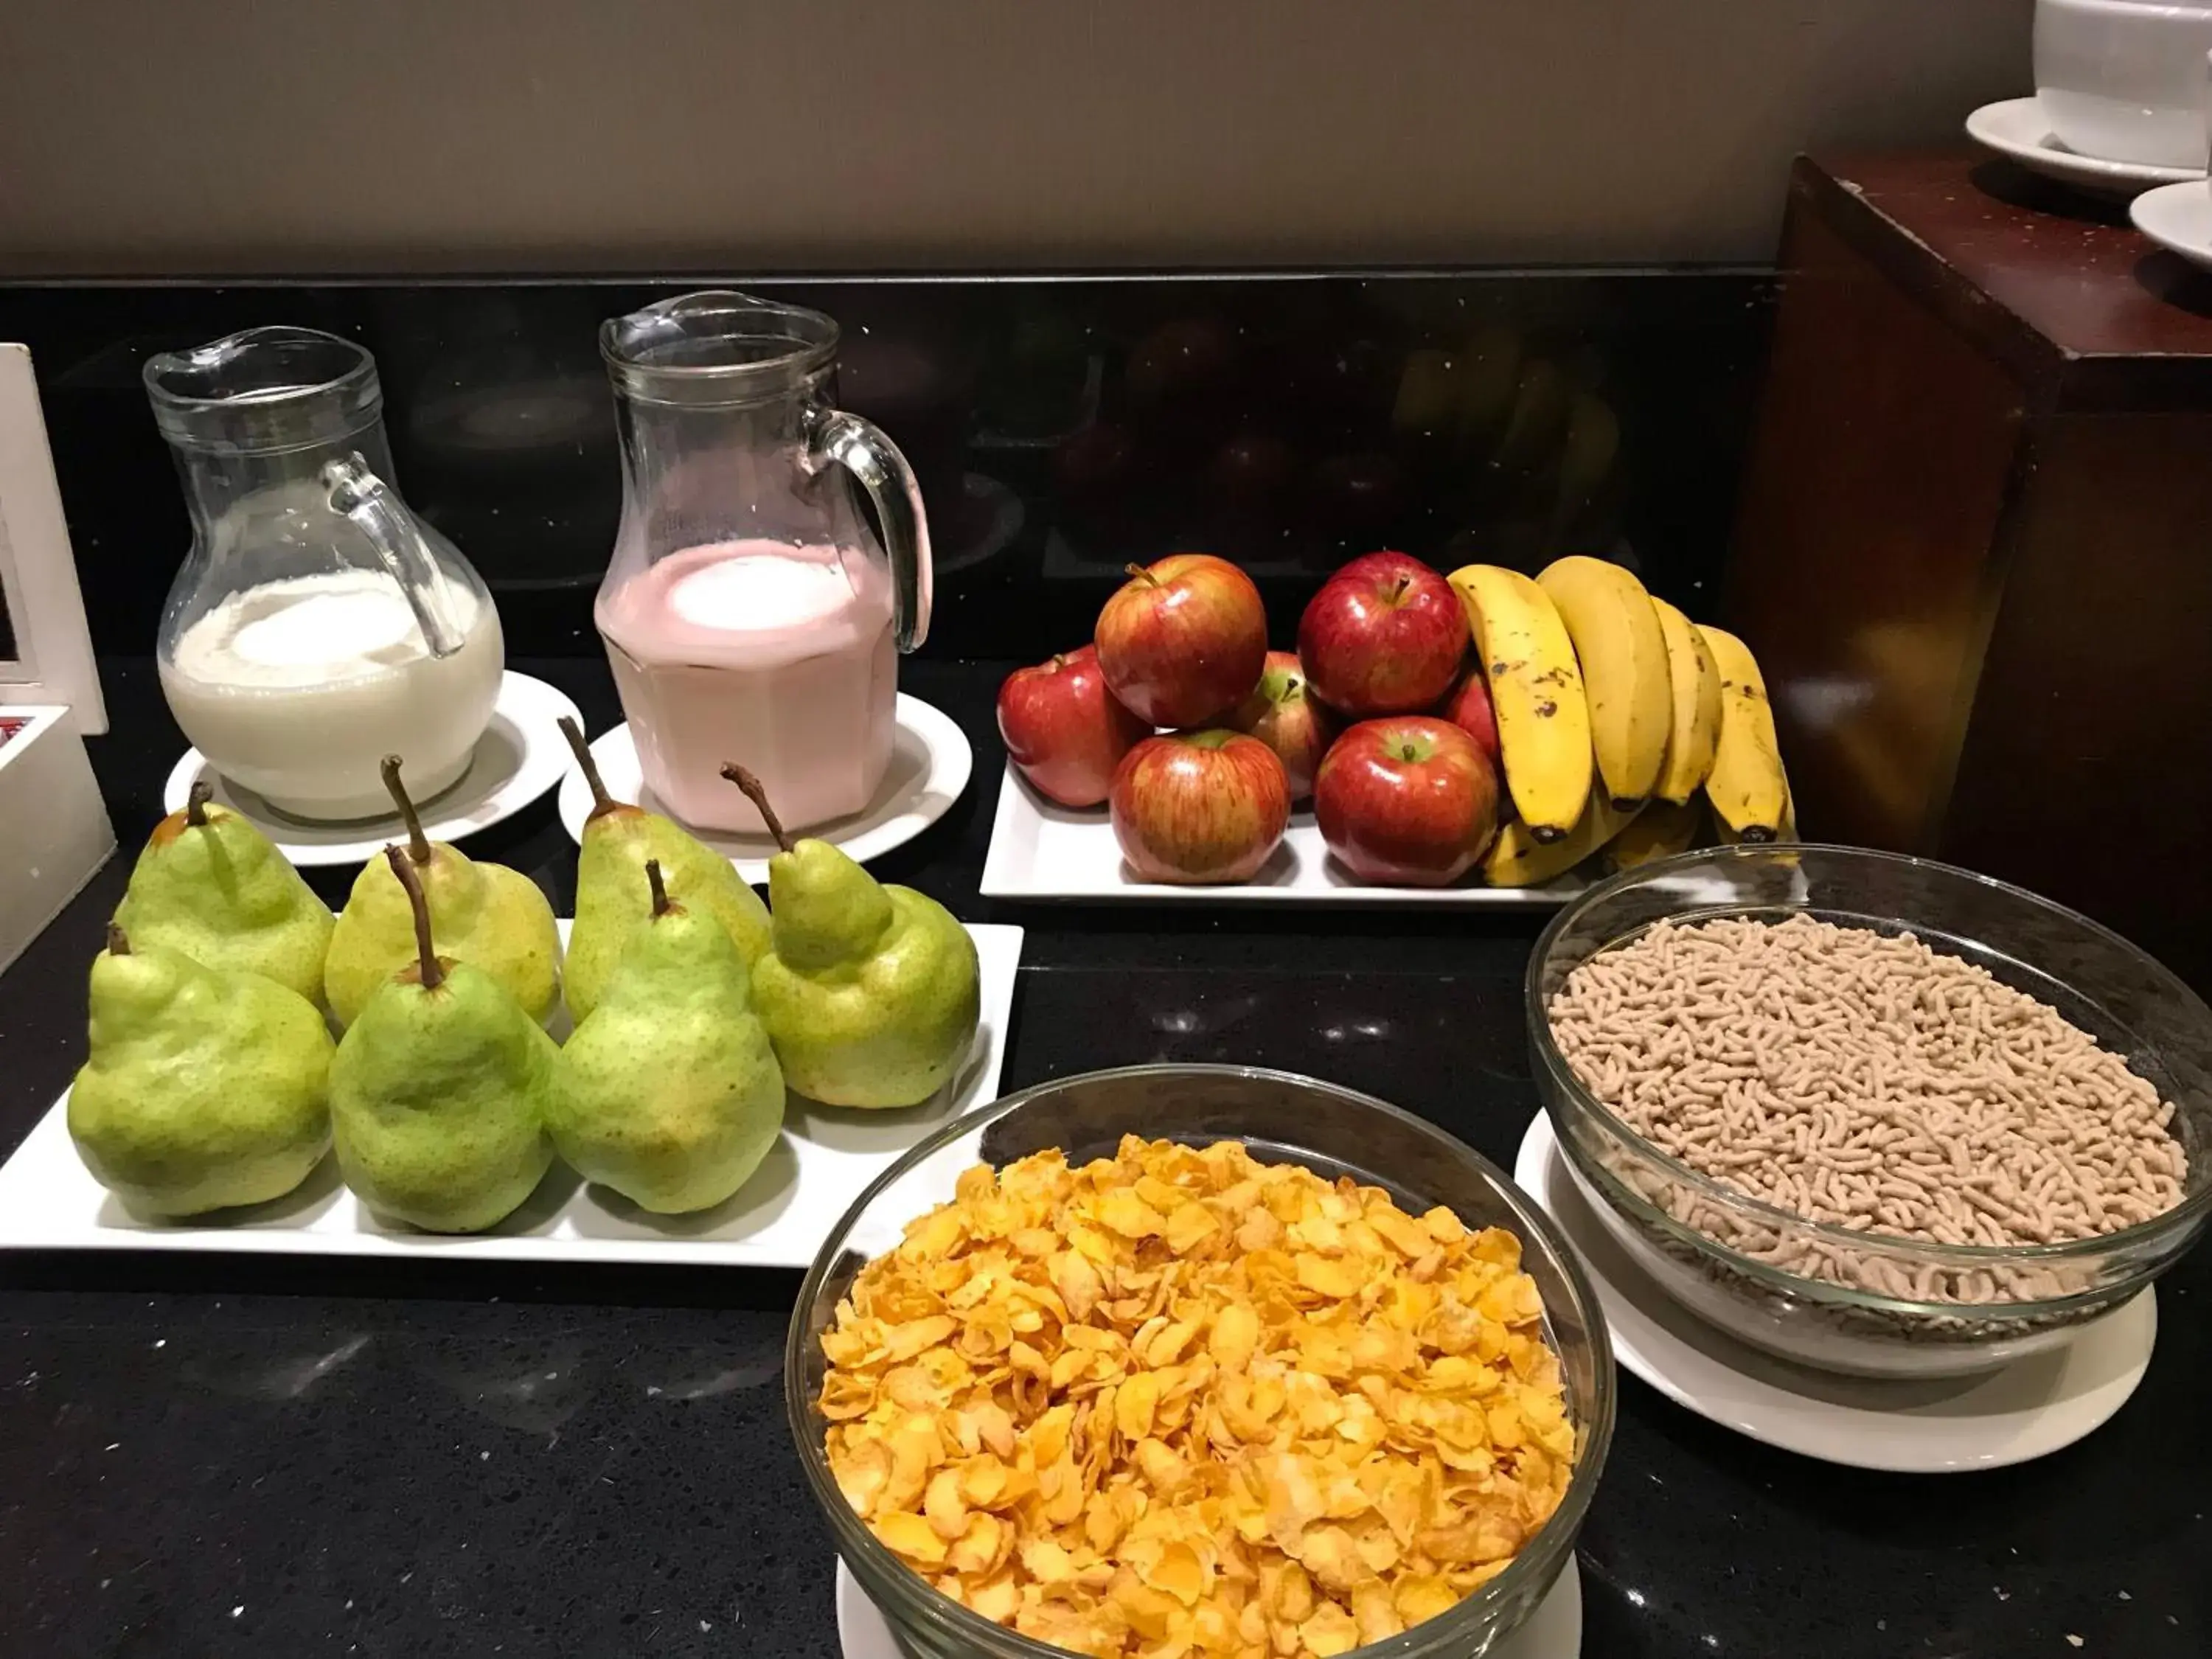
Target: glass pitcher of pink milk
749 613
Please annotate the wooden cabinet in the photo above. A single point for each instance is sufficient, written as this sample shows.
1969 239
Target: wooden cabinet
1974 547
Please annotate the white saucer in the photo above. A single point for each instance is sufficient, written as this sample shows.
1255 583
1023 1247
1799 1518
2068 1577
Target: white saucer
521 755
2023 1411
2016 129
1554 1631
930 763
2177 217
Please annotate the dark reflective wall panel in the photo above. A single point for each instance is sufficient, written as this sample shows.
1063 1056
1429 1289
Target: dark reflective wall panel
1062 428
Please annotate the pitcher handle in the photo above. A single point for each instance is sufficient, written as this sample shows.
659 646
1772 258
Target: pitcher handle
363 497
861 447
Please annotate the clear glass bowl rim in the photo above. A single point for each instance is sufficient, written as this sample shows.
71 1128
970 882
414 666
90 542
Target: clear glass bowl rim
2189 1212
1545 1553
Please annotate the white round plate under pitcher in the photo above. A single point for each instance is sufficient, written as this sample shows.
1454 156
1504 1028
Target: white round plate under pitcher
2023 1411
521 755
930 764
2178 218
2016 129
1554 1631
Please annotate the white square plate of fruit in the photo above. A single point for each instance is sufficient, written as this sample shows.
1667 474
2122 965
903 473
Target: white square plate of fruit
1486 738
444 1070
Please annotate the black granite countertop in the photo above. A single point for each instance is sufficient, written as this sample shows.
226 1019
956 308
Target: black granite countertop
211 1456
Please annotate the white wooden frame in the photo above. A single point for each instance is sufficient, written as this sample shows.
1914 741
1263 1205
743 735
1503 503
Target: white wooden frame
54 661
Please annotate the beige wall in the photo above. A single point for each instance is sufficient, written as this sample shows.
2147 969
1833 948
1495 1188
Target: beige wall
175 136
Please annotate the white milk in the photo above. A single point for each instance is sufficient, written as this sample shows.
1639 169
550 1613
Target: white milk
296 688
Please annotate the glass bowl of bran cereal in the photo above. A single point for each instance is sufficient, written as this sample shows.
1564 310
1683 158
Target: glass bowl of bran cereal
1870 1112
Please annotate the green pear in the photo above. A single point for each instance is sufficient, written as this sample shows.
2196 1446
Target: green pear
668 1093
205 1088
438 1091
485 915
212 887
612 901
869 992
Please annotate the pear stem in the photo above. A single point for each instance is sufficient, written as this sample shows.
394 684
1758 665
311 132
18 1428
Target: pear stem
118 943
196 800
759 796
433 974
660 892
1139 573
601 801
419 844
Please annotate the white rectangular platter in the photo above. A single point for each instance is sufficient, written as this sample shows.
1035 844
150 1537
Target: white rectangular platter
818 1166
1040 850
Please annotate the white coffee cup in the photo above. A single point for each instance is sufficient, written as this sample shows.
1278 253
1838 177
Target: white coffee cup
2123 80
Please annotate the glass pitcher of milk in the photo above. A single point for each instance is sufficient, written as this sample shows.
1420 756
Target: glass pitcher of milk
317 625
749 614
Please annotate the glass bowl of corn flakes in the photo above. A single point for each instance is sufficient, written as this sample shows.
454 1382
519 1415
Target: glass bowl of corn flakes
1199 1361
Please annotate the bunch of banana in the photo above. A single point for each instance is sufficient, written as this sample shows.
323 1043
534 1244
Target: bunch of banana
1614 711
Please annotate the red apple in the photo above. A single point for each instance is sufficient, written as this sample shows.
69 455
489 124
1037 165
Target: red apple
1199 806
1385 636
1063 728
1281 714
1469 709
1407 801
1183 641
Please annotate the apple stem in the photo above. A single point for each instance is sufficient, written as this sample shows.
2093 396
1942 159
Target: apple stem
419 844
660 892
433 974
196 800
759 796
118 943
1398 591
1139 573
601 801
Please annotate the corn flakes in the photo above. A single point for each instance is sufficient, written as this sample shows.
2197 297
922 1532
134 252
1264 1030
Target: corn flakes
1178 1404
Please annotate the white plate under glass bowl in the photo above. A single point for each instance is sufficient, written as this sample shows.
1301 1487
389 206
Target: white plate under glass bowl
2178 218
2016 129
930 764
521 755
2025 1410
1554 1631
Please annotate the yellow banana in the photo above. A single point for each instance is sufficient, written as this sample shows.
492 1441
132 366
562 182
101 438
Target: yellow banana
1662 829
1786 830
1536 692
1749 793
1694 684
1518 859
1624 662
